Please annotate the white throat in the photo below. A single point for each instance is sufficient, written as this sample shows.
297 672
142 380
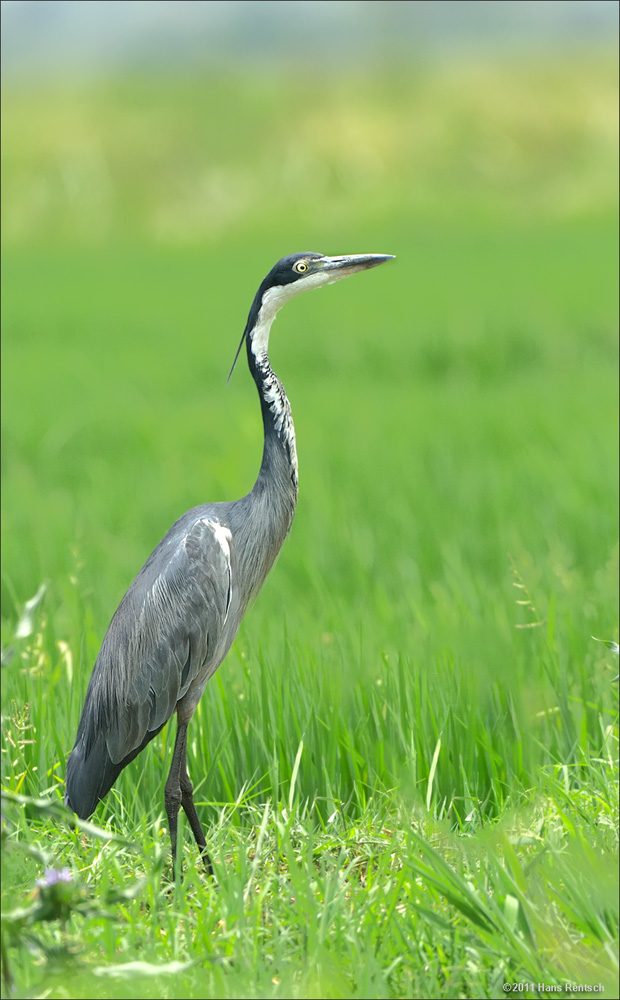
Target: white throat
276 297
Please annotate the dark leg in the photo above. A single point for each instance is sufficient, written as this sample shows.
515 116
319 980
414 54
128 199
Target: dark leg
187 801
179 792
172 791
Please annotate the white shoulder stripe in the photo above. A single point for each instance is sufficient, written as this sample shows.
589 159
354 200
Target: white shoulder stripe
224 539
222 535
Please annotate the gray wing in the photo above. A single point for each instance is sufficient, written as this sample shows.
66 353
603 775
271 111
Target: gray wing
163 637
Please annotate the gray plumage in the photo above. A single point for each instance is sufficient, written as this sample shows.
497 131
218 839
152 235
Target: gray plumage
180 615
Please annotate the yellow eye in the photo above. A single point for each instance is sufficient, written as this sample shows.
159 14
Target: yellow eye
300 267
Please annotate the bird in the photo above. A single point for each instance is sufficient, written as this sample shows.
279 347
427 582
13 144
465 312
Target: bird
178 620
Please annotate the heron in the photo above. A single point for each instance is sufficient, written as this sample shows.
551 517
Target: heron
177 621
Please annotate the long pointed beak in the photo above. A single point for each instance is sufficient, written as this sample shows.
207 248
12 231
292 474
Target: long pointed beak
351 263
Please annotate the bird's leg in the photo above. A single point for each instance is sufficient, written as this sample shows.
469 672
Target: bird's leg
172 791
187 801
179 792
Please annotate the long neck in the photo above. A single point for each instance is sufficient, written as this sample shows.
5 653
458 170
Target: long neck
261 520
278 471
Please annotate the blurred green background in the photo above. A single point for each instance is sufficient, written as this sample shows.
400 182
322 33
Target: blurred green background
455 411
463 398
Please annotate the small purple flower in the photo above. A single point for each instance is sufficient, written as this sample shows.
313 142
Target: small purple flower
51 876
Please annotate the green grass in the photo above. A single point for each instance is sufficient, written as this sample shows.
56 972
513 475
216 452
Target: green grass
407 765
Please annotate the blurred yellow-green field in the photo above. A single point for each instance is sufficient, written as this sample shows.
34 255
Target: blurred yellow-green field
177 161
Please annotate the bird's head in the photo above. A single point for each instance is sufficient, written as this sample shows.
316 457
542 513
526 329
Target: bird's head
291 276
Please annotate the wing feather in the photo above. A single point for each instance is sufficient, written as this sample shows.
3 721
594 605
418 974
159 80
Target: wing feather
164 637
